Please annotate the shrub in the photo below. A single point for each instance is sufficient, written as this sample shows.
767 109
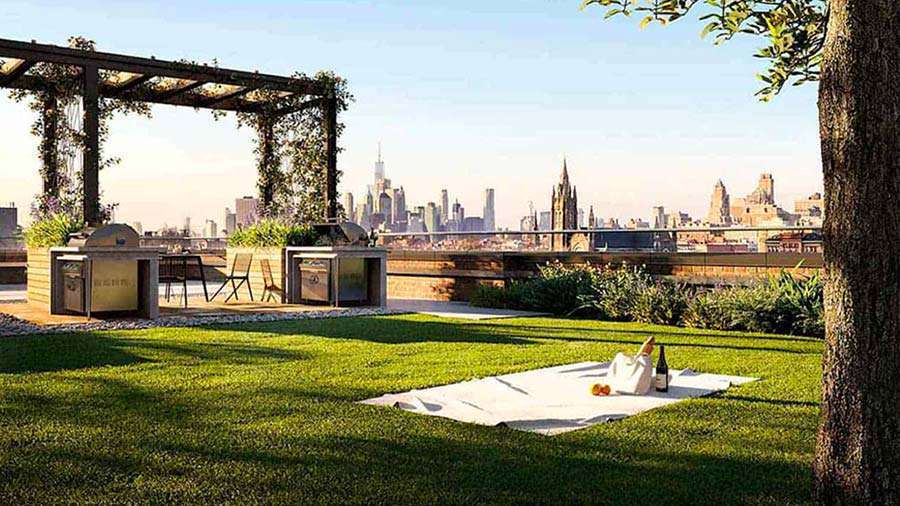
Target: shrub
708 310
753 309
661 303
272 233
784 304
510 296
615 291
801 302
51 231
558 288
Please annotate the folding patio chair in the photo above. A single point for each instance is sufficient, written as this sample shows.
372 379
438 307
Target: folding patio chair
171 270
240 271
269 286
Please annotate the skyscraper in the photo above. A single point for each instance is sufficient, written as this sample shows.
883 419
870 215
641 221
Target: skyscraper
489 223
545 220
398 206
379 165
764 192
348 205
361 216
210 229
247 209
432 218
9 221
230 221
658 217
719 206
458 212
384 207
445 206
564 210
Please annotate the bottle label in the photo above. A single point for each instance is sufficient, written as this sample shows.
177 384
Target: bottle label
662 380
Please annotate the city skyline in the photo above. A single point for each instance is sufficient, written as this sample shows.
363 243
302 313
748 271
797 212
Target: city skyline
454 112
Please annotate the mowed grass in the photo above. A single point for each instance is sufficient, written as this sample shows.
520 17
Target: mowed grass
263 413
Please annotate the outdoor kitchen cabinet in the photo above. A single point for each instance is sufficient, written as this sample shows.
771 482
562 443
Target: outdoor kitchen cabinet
336 275
105 271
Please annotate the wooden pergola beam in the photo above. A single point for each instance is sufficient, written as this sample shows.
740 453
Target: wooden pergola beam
209 102
136 65
163 96
302 106
19 71
127 86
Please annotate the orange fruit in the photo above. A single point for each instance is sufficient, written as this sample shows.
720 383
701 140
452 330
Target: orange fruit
600 389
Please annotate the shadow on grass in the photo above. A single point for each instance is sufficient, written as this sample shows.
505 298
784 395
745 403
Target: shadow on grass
58 352
472 466
383 330
615 326
388 330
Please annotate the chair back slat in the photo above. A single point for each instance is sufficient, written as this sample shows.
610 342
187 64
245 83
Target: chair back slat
241 264
266 272
170 269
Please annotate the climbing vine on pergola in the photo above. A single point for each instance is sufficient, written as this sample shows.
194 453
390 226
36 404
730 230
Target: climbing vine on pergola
294 117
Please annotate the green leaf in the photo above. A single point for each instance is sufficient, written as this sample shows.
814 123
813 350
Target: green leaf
708 28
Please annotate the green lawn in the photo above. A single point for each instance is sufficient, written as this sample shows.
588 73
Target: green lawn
261 413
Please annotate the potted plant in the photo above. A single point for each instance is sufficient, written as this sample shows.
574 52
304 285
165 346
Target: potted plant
42 235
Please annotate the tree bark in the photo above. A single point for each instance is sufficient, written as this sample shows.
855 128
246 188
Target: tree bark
858 448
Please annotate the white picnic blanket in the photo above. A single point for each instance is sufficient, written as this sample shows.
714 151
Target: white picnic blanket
549 401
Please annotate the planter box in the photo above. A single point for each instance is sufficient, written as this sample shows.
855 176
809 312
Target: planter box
275 256
38 276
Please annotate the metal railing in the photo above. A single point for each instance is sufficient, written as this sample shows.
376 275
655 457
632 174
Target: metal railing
800 239
180 243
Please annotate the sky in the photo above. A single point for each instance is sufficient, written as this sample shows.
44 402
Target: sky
463 95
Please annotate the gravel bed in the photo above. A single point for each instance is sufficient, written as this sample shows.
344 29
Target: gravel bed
12 326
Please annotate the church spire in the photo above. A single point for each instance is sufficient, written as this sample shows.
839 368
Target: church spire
564 178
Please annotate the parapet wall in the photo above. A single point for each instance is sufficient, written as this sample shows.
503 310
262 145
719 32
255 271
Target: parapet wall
448 275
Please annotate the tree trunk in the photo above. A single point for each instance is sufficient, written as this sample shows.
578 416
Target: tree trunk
858 448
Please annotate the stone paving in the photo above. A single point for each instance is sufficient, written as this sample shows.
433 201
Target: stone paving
10 325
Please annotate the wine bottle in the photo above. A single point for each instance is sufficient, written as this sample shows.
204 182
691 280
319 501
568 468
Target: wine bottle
662 371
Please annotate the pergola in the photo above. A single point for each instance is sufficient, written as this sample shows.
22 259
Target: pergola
156 81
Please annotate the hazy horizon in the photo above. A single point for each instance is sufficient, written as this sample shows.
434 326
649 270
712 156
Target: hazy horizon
463 96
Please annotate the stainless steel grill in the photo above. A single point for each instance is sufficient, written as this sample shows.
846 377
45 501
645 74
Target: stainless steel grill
341 234
95 277
113 235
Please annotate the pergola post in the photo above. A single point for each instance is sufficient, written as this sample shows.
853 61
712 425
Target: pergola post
330 106
49 149
268 167
91 166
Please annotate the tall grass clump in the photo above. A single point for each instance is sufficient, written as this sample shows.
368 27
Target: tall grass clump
51 231
662 303
272 233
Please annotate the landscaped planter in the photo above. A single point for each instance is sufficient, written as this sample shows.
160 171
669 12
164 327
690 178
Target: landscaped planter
275 256
38 276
